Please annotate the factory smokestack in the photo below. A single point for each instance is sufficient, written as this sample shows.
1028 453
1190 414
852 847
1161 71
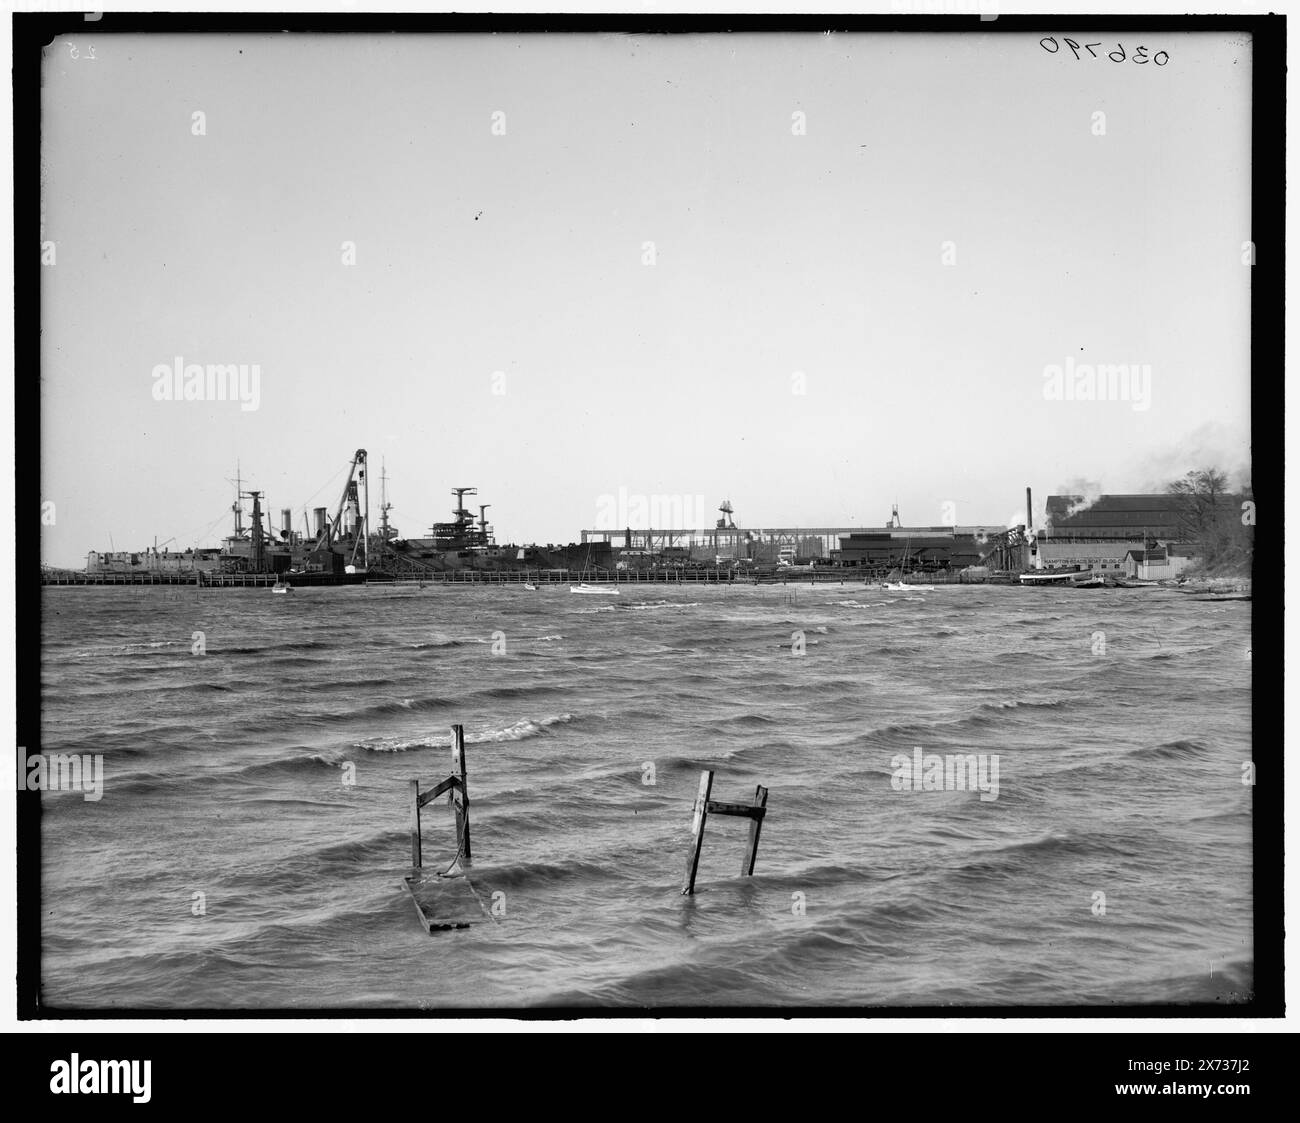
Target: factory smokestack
1029 509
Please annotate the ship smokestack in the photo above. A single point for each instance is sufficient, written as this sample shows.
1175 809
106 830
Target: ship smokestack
286 522
320 520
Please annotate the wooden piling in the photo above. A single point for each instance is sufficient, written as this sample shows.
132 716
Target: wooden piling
697 830
446 899
704 807
415 824
460 793
755 828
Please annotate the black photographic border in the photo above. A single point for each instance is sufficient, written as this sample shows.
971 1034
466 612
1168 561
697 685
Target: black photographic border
32 31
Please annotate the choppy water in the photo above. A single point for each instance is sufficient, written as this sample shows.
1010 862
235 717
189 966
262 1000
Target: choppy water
1119 773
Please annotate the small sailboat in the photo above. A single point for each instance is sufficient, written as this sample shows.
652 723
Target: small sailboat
530 586
281 586
900 585
610 591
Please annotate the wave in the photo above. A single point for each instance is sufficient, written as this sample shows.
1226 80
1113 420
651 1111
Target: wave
125 649
987 715
1016 858
285 766
379 709
534 874
520 730
690 765
1171 750
516 691
652 605
743 721
1016 704
337 685
271 648
517 731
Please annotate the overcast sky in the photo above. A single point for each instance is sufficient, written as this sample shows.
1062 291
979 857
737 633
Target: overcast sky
836 319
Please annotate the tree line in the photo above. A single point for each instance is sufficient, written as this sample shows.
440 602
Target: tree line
1217 520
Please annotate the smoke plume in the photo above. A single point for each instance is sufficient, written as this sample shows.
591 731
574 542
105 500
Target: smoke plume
1083 494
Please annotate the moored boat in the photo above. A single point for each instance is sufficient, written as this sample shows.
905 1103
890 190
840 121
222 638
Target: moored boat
1066 578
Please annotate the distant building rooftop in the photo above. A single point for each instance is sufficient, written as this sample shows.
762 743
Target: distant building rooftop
1116 516
1087 551
1148 556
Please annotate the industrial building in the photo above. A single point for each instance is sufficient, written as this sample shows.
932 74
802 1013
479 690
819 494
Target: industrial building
1104 557
1162 518
891 545
1116 536
1160 564
927 548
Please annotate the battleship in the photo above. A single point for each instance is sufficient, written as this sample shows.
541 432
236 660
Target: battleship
344 548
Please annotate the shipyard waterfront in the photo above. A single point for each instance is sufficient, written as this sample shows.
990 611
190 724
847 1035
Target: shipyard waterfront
246 843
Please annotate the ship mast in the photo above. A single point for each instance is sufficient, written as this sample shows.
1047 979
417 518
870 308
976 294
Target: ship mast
384 505
237 507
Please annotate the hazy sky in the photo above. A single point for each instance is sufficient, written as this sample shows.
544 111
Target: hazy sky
921 363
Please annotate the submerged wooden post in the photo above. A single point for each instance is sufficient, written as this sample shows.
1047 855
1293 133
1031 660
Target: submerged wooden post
755 827
415 824
704 807
447 899
460 794
697 830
